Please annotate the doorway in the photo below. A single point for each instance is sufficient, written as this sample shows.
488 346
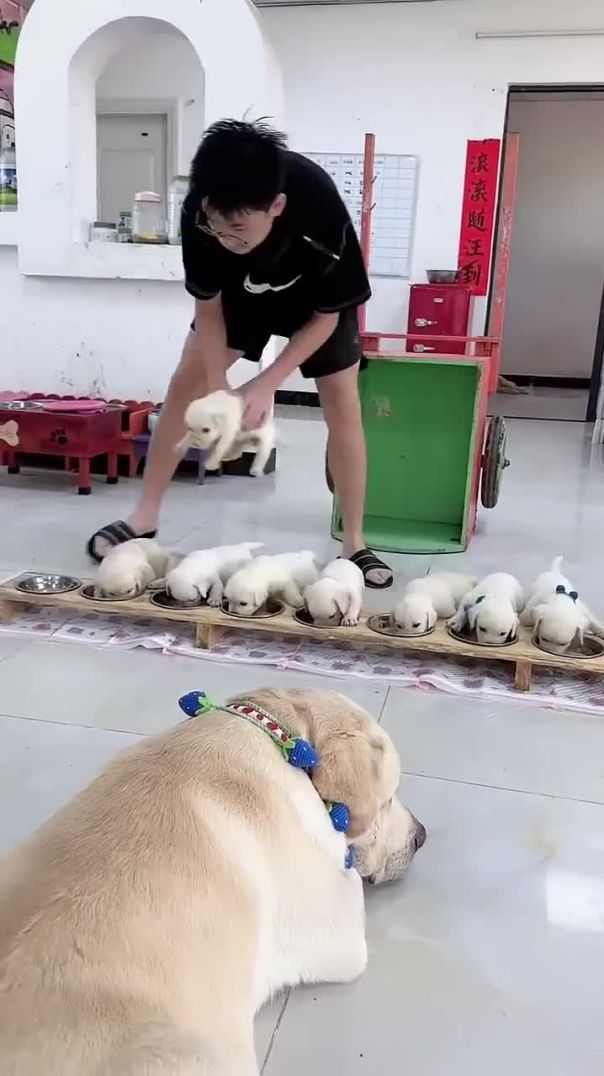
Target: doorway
551 346
132 155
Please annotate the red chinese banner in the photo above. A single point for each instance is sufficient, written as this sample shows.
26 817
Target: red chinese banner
478 213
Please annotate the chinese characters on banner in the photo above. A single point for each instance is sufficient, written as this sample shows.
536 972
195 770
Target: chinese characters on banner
478 213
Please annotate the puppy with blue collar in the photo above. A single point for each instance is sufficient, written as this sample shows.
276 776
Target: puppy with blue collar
491 609
556 612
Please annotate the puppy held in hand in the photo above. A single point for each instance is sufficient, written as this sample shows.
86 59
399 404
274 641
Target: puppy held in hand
284 575
214 422
201 575
128 569
337 596
430 598
491 609
557 613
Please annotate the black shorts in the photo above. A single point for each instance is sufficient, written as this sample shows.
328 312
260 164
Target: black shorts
340 352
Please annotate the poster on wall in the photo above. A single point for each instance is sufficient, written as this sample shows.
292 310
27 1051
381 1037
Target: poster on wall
478 213
12 15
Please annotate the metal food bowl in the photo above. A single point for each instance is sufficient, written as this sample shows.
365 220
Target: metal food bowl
21 405
47 583
88 592
271 607
163 600
472 638
591 647
303 617
383 624
442 276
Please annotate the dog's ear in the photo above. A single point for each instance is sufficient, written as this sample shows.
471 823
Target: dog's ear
350 772
538 614
472 616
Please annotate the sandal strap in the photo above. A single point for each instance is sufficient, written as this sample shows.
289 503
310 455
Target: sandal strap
116 533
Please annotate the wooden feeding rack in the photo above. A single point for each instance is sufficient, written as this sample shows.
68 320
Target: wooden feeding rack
210 624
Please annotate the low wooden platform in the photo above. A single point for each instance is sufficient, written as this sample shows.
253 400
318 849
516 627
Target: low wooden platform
211 624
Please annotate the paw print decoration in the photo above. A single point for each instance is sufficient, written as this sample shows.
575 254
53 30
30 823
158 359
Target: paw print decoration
59 437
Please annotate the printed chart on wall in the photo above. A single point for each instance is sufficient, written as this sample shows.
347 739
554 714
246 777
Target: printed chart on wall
394 195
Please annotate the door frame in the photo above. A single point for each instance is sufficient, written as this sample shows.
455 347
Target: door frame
135 106
595 380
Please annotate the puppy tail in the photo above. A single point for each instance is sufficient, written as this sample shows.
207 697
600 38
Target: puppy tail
557 565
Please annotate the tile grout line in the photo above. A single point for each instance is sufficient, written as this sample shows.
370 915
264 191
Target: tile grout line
276 1030
503 788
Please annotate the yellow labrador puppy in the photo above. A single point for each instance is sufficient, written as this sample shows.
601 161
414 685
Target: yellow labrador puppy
145 924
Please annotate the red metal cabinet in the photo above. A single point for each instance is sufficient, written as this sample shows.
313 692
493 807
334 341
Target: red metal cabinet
439 310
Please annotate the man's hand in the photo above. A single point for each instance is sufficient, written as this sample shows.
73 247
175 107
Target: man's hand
257 397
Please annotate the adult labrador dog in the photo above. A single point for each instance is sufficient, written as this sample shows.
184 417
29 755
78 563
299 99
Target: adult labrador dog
144 925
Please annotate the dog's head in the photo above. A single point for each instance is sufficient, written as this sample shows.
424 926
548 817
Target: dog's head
494 620
558 622
123 579
415 614
359 766
326 601
245 593
206 419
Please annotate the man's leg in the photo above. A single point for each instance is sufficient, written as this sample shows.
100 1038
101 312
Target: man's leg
347 457
194 377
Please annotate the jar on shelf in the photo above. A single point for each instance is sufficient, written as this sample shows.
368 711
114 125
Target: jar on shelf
177 193
124 226
103 231
148 221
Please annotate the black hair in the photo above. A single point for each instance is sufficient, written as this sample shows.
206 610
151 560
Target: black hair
239 166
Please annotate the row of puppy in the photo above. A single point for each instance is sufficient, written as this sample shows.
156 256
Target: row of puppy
491 607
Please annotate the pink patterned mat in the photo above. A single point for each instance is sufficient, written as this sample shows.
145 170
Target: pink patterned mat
552 688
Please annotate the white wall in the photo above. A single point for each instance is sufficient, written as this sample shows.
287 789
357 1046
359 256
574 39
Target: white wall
557 258
416 76
159 66
412 73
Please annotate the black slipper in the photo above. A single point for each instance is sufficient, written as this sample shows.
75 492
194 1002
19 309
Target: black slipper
368 562
115 534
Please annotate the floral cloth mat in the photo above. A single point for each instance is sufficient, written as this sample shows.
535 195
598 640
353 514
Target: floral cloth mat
551 687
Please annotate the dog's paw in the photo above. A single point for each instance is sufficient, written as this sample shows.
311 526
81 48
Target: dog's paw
349 621
456 623
214 601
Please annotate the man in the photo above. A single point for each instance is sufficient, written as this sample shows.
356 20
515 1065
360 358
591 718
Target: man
268 249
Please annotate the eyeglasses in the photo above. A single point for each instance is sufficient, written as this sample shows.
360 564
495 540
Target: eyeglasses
221 235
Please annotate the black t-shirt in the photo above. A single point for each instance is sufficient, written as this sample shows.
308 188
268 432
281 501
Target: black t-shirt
311 261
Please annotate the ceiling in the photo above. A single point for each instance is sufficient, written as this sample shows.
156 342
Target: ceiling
333 3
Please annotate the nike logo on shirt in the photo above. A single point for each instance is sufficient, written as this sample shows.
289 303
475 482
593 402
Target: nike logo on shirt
260 289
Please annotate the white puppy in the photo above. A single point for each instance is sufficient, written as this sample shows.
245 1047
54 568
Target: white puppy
214 422
284 575
429 598
337 596
201 575
556 611
128 569
491 609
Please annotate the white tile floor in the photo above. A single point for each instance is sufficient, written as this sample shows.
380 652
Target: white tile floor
489 957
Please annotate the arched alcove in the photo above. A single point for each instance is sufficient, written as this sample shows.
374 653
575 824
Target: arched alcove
240 75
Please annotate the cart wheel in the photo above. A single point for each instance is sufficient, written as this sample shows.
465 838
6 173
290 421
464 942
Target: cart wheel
328 477
494 462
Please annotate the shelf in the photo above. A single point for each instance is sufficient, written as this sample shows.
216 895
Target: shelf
114 261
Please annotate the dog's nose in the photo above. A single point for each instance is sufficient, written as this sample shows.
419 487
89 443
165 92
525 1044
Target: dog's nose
419 837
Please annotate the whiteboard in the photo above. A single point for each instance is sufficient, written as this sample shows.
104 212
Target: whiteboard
394 195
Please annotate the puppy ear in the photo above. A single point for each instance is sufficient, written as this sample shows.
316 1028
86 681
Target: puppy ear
349 772
472 615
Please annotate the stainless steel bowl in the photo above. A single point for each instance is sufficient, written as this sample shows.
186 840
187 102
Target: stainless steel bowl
271 607
303 617
47 583
591 647
88 592
470 637
442 276
383 624
163 600
21 405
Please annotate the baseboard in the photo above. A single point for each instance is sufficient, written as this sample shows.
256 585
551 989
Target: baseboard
297 399
550 382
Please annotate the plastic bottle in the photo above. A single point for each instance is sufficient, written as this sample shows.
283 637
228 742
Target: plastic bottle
176 195
8 180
